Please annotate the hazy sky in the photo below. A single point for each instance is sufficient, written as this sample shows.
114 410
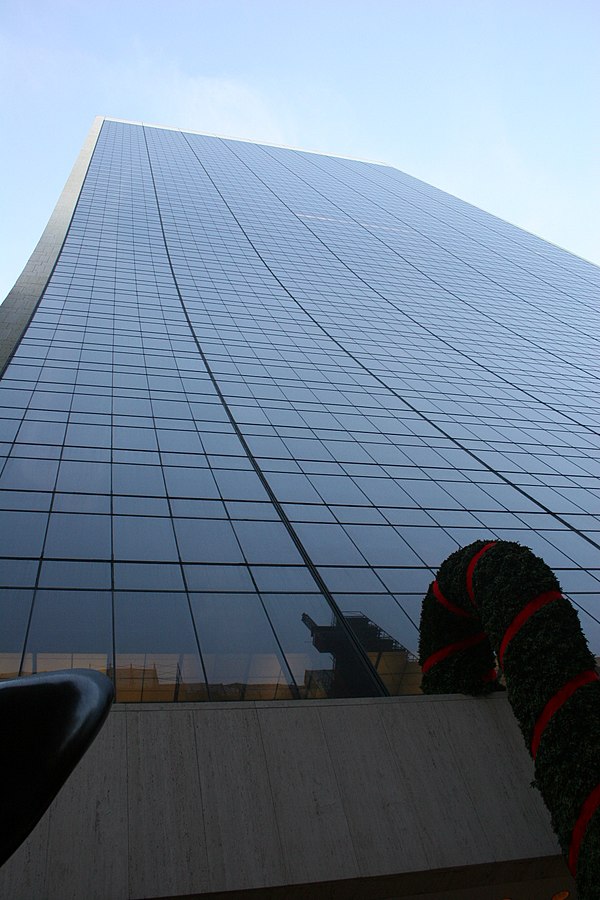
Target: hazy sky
495 101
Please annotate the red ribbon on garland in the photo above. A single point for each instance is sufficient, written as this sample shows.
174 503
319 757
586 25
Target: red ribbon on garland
449 649
591 805
588 809
519 620
471 569
437 593
555 703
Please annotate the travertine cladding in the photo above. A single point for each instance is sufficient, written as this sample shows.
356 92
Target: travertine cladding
22 300
409 795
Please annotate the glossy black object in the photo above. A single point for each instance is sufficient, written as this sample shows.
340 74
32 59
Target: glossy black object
47 723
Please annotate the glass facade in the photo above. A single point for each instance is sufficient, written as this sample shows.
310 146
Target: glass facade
264 394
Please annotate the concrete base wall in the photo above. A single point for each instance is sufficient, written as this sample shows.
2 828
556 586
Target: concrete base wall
392 797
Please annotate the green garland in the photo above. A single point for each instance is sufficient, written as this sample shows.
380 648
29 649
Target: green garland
498 601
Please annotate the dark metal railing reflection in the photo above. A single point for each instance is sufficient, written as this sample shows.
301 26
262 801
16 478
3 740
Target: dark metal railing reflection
397 667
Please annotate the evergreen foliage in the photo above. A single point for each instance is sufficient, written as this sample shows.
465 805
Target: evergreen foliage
518 611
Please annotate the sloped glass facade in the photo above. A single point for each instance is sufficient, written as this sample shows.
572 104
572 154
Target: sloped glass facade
264 394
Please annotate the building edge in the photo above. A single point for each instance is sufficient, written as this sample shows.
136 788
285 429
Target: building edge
256 142
361 159
22 300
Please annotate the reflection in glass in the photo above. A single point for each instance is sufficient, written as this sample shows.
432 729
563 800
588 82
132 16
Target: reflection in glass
239 650
15 607
69 630
397 667
318 388
387 633
322 658
157 656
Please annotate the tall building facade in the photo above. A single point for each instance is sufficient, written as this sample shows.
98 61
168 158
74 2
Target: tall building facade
253 397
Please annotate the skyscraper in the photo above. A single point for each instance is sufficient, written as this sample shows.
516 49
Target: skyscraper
263 393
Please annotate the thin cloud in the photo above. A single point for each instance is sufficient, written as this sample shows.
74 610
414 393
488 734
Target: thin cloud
162 93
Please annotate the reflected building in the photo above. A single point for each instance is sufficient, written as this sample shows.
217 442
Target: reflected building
252 397
397 667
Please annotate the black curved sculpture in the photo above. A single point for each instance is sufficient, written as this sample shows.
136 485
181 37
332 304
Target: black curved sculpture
48 722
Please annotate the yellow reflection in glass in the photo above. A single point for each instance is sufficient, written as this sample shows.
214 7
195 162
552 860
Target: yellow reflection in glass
399 671
159 678
245 676
53 662
9 665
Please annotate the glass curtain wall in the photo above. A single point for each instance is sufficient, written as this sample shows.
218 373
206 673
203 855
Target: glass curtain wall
264 395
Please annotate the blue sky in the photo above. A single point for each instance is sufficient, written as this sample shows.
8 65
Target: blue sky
493 100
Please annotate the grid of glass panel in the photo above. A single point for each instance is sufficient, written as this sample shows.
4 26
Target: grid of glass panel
264 395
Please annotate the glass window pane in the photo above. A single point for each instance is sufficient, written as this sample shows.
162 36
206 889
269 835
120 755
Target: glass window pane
78 536
15 608
29 474
82 575
203 540
266 542
87 477
388 637
323 660
69 630
157 656
148 576
240 653
142 537
22 533
146 481
190 482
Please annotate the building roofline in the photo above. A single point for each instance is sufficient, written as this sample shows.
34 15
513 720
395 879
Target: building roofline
227 137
